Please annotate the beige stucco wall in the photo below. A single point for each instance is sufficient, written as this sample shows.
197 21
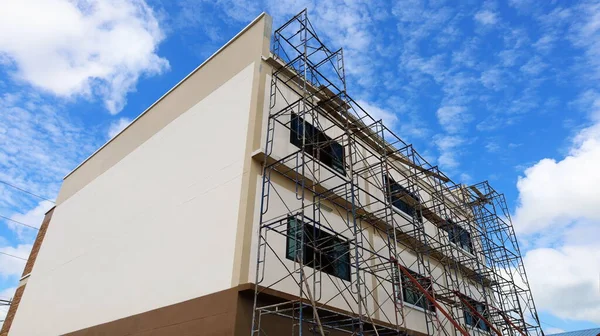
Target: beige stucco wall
332 291
152 218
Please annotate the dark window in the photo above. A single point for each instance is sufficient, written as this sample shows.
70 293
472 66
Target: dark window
317 144
412 294
321 250
459 236
472 319
400 197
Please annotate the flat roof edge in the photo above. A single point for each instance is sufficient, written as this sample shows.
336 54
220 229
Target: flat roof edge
170 90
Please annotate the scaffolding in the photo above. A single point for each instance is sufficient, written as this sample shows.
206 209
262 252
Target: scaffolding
375 240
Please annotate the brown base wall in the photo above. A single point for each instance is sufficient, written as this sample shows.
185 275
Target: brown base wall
228 312
213 314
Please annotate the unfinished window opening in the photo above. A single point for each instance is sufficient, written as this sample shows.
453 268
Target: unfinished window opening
317 144
320 250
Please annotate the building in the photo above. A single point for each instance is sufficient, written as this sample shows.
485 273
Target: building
257 197
585 332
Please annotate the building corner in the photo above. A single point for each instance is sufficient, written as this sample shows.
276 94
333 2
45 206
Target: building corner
14 306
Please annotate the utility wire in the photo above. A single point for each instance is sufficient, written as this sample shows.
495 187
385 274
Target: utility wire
25 191
20 223
550 325
17 222
12 255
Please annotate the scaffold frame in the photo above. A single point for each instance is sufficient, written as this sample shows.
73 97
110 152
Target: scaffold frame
464 288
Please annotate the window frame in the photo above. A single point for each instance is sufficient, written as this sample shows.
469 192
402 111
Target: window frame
330 261
457 234
422 301
412 211
472 320
326 154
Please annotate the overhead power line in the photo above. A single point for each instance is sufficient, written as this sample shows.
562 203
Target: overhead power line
25 191
12 255
550 325
20 223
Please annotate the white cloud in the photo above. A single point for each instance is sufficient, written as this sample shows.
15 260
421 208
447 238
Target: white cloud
32 217
6 294
432 66
492 147
117 126
389 118
453 118
419 19
585 34
346 24
40 144
412 128
196 17
492 79
534 66
465 178
82 48
545 43
558 215
486 17
448 146
508 57
523 5
564 280
554 193
11 266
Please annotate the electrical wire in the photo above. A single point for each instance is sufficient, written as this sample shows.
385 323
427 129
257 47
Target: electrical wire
17 222
550 325
20 223
25 191
12 255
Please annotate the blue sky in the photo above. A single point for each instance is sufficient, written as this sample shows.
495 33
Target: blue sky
505 91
